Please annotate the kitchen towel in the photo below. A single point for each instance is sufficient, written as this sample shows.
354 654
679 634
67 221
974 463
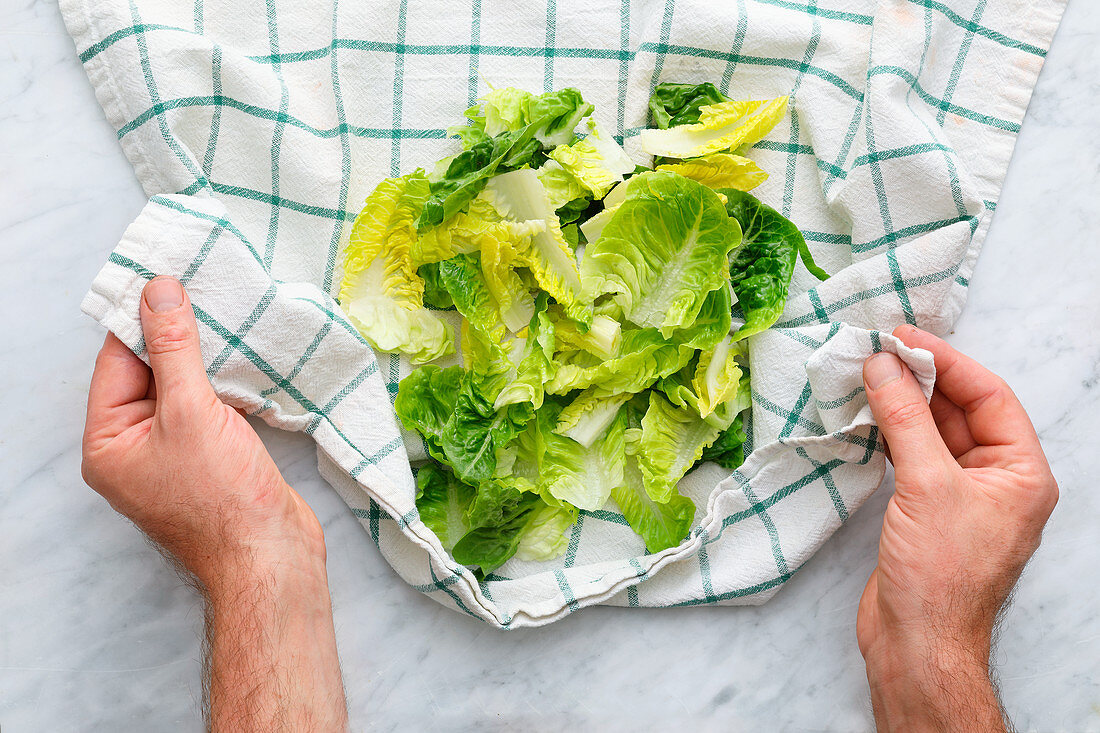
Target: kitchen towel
257 128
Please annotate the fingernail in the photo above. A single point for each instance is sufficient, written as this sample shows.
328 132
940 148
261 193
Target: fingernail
163 294
881 369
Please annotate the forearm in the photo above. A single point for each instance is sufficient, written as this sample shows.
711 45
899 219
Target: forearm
272 661
934 689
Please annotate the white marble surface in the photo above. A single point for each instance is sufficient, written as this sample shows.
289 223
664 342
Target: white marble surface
96 633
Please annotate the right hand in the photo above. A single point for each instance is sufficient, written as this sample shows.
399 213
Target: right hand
186 468
973 492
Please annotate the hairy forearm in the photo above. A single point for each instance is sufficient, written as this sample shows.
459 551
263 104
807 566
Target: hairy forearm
934 688
272 661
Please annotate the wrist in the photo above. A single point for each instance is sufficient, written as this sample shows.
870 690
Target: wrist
932 686
289 564
249 543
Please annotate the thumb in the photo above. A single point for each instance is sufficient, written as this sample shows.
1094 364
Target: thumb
901 412
172 341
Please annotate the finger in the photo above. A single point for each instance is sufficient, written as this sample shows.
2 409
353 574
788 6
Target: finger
901 412
951 422
172 340
116 394
119 377
993 413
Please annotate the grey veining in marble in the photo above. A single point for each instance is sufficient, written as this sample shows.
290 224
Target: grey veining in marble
96 633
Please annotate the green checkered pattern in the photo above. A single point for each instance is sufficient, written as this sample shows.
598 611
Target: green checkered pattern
258 130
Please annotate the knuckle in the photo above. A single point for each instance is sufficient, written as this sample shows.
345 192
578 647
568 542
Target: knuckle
904 414
172 338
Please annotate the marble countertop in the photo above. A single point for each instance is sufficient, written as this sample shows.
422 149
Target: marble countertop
96 633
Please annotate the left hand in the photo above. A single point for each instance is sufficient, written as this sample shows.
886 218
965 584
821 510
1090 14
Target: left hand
186 468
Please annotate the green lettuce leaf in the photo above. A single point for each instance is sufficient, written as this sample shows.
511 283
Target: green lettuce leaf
499 515
570 473
593 228
717 377
761 270
663 251
672 439
602 339
674 104
435 295
504 110
562 187
555 115
535 364
476 433
644 357
596 161
381 291
468 172
462 278
720 170
661 525
545 537
728 450
425 402
713 322
520 196
722 126
442 501
550 118
589 414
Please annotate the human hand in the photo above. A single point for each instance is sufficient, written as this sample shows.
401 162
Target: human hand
186 468
973 491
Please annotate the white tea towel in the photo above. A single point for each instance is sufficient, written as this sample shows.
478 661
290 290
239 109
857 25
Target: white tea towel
257 129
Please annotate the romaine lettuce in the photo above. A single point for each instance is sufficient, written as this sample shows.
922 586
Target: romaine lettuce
761 270
381 291
673 104
720 170
662 252
722 126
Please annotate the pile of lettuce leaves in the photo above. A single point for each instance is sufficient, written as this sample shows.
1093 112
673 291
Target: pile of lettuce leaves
591 300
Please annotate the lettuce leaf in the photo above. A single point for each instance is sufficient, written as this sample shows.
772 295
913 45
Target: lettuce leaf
761 270
663 251
381 291
728 450
570 473
476 433
644 357
720 170
442 501
520 196
671 441
463 233
462 278
544 538
589 415
721 126
717 377
597 161
561 186
468 172
425 402
550 118
673 104
435 295
499 515
713 322
661 525
555 115
602 339
535 365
